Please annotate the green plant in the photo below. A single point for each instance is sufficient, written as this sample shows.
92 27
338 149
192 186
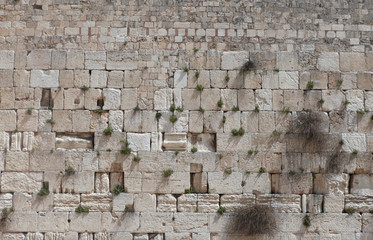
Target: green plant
168 172
158 115
360 111
310 85
98 153
301 170
221 210
190 190
81 209
51 151
186 69
5 214
84 88
285 110
224 119
228 171
136 159
99 111
176 153
252 220
172 107
340 81
173 118
108 131
125 149
349 211
235 109
256 109
346 102
262 170
51 121
276 69
44 189
250 152
292 172
199 87
220 156
179 109
125 43
341 142
220 103
201 110
306 221
29 111
239 132
194 150
196 74
321 101
195 49
5 150
355 151
276 133
118 189
69 171
227 78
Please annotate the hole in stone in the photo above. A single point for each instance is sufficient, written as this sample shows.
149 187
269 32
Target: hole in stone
76 101
45 97
100 103
36 6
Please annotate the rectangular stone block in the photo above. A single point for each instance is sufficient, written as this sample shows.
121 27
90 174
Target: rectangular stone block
83 182
352 62
283 203
44 78
95 60
156 222
296 183
287 61
223 183
166 203
123 202
121 222
125 60
100 202
333 203
6 78
74 59
234 203
53 222
234 60
85 222
158 183
257 183
6 59
328 61
362 184
21 222
187 203
226 142
331 183
208 202
21 182
65 202
39 59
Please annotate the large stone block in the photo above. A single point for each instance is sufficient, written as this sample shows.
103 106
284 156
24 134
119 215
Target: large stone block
129 99
6 59
139 141
352 62
234 60
17 161
192 222
98 79
44 78
223 183
354 141
8 120
145 202
257 183
119 223
39 59
95 60
122 60
333 203
83 182
112 98
283 203
263 99
298 183
287 61
21 182
101 202
328 61
187 203
21 222
53 222
288 80
85 222
336 184
158 183
156 222
362 184
66 202
166 203
226 142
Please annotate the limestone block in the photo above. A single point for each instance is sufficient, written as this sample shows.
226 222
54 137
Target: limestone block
207 202
16 141
180 79
27 122
278 99
333 100
132 79
122 60
226 142
27 141
335 222
81 78
162 99
200 182
6 200
190 222
257 183
352 61
112 98
283 203
263 99
288 80
157 183
311 100
222 183
360 203
365 81
6 78
245 99
217 79
66 78
117 223
123 202
191 99
132 182
85 222
252 80
264 60
232 121
294 100
33 236
270 80
356 99
66 202
328 61
91 98
44 78
21 182
249 163
156 222
59 59
21 222
195 122
53 222
145 202
175 141
79 183
63 121
39 59
286 183
362 184
333 203
102 183
229 98
213 59
234 60
139 141
213 121
314 203
56 101
287 61
331 183
74 59
6 59
4 141
81 121
100 202
234 203
198 60
166 203
157 162
266 121
349 81
156 141
95 60
115 79
354 141
367 225
236 79
129 99
181 125
173 235
17 161
210 98
44 141
112 142
187 203
203 142
74 98
98 79
7 99
250 121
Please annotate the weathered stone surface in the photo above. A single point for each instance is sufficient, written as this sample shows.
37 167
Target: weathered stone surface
297 183
336 184
191 222
288 80
44 79
208 202
288 203
97 201
139 141
39 59
65 202
187 203
144 202
257 183
166 203
21 182
233 203
333 203
222 183
124 60
6 59
226 142
362 184
175 141
234 60
352 61
7 120
328 61
53 222
287 61
158 183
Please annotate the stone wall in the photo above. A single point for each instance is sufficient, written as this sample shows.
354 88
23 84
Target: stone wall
157 115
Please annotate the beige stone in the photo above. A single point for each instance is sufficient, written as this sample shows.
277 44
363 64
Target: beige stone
283 203
298 183
21 182
187 203
223 183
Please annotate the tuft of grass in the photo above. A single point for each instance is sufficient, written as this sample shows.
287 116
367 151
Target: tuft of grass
340 81
301 170
224 119
346 102
51 121
195 49
108 131
176 153
262 170
136 159
235 109
321 101
201 110
44 191
118 189
5 150
125 149
168 172
179 109
194 150
355 152
196 74
186 69
5 214
221 210
285 110
99 111
350 211
84 88
307 221
292 172
360 111
238 132
81 209
220 103
125 43
227 78
228 171
173 118
158 115
341 142
190 190
276 70
172 107
256 109
220 156
310 85
199 87
69 171
276 133
29 111
98 153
